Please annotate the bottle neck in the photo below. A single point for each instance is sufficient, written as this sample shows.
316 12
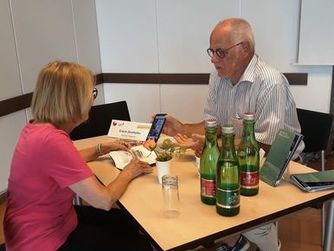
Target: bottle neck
210 136
228 149
248 132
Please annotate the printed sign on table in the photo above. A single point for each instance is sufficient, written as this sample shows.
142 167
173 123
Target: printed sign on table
129 130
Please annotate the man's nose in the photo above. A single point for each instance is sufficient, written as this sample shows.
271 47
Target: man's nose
214 58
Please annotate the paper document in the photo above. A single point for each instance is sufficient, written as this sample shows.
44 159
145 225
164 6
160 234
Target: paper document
122 158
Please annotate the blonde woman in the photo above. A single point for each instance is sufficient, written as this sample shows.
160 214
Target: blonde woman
47 171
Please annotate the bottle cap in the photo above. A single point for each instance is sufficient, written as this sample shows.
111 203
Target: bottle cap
248 116
227 129
211 123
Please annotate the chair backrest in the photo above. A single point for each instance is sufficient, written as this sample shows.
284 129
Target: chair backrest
316 128
100 117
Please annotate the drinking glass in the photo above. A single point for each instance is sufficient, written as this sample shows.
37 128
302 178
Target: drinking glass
170 192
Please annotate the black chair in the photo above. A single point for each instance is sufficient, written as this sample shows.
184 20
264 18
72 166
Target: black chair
316 128
100 117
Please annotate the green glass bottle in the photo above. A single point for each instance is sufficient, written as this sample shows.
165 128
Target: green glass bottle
249 158
228 176
208 163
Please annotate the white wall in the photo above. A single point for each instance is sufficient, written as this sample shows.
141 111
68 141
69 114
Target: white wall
34 33
172 37
316 36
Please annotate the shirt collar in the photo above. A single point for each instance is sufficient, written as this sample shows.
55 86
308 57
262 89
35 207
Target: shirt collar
248 74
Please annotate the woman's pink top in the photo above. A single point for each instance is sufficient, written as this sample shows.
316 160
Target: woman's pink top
40 213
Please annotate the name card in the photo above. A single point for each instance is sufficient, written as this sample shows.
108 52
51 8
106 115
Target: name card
129 130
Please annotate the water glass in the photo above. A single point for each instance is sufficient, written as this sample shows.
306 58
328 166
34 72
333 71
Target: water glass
170 192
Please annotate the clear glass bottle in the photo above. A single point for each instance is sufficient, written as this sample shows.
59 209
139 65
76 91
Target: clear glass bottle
228 176
208 163
249 158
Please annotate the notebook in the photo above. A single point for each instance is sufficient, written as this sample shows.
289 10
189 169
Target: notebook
314 181
284 146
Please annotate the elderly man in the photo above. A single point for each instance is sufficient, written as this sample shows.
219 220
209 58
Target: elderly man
243 82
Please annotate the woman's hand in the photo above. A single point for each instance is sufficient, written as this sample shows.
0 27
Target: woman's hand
136 168
115 146
93 152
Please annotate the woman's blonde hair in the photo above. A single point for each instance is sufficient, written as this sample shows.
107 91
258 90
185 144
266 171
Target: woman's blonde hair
63 93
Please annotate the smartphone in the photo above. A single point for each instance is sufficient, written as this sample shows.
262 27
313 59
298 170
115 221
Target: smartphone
156 127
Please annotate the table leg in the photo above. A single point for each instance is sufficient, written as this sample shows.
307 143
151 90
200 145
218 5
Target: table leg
329 227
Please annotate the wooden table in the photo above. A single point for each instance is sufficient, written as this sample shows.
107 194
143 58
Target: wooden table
199 223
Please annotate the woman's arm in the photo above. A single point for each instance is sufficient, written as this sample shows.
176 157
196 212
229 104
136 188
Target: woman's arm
103 197
92 153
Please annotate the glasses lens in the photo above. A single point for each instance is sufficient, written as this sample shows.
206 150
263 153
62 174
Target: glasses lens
95 92
210 52
220 53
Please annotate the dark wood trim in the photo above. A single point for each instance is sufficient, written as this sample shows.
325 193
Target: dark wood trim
15 104
99 79
156 78
21 102
180 78
296 78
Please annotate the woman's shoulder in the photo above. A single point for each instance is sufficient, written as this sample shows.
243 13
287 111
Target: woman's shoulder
46 134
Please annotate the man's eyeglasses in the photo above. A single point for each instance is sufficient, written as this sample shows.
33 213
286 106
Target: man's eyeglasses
220 52
95 92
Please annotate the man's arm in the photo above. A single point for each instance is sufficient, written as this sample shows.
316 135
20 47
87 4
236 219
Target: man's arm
190 129
172 127
265 147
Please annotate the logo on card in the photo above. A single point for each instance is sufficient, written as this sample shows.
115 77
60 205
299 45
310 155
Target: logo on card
115 123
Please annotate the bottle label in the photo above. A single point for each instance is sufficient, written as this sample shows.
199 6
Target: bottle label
208 188
249 179
227 198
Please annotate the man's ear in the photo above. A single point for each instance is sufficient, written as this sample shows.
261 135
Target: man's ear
246 46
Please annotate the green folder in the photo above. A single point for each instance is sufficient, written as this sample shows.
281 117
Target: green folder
314 181
279 156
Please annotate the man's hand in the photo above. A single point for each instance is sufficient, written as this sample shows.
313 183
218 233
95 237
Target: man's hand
172 126
195 142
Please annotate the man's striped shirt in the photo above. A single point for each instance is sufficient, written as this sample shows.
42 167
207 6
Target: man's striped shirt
261 90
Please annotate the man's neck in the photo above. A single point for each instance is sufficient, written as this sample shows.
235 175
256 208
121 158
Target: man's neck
235 80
